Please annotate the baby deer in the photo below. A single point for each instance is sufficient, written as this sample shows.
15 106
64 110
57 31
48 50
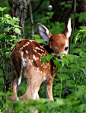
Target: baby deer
26 57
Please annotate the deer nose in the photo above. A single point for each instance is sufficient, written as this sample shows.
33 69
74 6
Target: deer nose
60 59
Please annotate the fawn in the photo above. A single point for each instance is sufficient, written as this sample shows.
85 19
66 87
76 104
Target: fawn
26 58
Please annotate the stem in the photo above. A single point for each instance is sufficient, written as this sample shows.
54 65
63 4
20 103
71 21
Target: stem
61 14
83 71
61 84
35 9
75 82
2 15
31 17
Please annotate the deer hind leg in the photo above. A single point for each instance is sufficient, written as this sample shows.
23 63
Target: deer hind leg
16 81
14 89
33 87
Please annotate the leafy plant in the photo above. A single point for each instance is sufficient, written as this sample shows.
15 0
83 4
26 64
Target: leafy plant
8 26
80 34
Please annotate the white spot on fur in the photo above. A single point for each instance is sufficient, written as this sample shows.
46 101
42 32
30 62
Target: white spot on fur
37 70
25 45
37 48
34 50
23 60
43 79
31 61
21 48
31 41
35 58
42 64
40 54
41 47
26 51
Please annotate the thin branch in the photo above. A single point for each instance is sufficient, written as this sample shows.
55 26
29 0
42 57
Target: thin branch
83 71
31 17
38 5
74 2
74 14
36 8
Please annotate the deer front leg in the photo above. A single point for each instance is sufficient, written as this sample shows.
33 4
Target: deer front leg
32 92
48 89
33 88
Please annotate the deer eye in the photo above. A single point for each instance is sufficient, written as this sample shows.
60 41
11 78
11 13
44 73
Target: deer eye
66 48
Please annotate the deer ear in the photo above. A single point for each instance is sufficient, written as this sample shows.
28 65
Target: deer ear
67 31
44 32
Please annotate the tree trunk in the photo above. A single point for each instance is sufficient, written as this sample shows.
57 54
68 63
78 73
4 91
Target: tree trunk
18 8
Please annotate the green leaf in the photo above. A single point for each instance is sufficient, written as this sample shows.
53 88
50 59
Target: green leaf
49 57
1 24
7 16
1 72
17 30
0 111
76 102
11 21
2 9
17 26
43 60
16 19
2 35
7 54
57 63
38 39
7 29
